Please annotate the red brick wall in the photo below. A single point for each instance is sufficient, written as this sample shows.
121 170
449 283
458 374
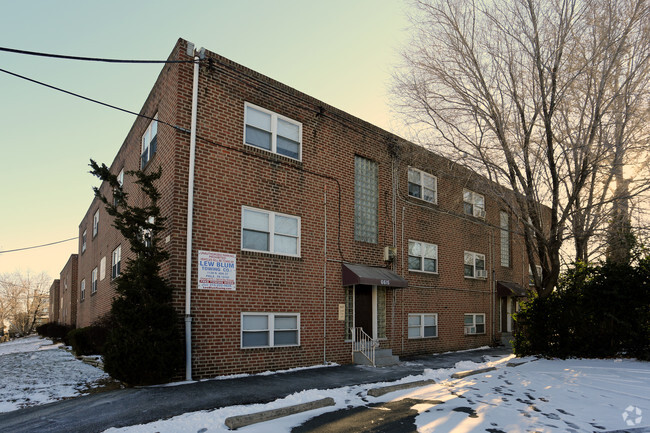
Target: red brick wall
230 175
68 292
55 300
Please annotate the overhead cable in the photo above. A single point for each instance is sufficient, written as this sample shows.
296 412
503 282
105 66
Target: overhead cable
38 246
89 99
89 59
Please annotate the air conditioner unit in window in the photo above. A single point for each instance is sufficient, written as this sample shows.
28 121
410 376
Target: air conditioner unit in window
479 213
390 253
481 273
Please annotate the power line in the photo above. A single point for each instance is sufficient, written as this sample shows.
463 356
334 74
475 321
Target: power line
89 59
89 99
38 246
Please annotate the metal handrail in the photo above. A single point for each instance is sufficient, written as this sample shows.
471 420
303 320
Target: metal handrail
363 344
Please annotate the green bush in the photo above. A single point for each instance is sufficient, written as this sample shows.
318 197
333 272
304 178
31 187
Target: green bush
91 339
596 312
53 330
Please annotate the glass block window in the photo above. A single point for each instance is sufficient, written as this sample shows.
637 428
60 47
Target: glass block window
505 239
422 325
273 132
366 200
422 185
270 329
423 257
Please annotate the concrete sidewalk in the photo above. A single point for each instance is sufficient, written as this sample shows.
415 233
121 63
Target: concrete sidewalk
98 412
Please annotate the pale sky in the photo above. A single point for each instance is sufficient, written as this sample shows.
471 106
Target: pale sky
339 51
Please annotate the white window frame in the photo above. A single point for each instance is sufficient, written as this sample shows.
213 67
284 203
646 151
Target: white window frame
422 257
531 280
270 328
475 259
477 210
274 130
96 223
472 329
93 281
423 175
82 289
116 262
271 232
421 325
84 237
148 137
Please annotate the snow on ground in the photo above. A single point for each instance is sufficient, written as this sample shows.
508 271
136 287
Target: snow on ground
34 371
542 395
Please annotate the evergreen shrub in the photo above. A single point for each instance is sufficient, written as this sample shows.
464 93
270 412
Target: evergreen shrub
596 312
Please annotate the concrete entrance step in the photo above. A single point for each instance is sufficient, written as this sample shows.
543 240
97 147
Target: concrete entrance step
383 358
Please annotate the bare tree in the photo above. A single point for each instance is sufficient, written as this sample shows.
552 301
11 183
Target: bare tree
518 90
24 300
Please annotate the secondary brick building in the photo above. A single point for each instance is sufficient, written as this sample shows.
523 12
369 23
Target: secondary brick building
307 222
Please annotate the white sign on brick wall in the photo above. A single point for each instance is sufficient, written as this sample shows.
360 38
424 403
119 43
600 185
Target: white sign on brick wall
217 271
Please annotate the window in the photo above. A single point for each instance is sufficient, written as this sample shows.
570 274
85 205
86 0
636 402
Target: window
83 240
423 185
147 233
96 223
149 142
423 325
366 200
116 192
423 257
273 132
270 329
475 265
117 260
474 323
83 289
474 203
270 232
93 282
505 239
531 281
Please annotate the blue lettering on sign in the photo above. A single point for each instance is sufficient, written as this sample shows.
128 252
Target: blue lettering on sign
216 264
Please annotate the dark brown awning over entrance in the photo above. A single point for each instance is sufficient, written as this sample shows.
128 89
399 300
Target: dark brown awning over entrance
506 288
360 274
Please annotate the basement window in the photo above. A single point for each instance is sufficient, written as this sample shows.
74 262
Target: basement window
270 330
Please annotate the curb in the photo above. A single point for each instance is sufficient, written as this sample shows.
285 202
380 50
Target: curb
376 392
462 374
234 422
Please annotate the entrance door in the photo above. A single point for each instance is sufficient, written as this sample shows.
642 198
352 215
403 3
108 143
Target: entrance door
363 317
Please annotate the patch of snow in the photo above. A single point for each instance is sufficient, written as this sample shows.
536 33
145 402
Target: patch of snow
544 396
31 373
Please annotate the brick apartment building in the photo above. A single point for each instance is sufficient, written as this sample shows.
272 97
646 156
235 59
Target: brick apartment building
54 305
307 222
67 306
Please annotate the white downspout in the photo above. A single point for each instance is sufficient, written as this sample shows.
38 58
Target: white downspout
190 212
